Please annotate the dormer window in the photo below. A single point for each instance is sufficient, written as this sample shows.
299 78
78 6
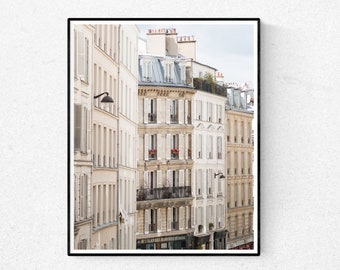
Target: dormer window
146 71
169 72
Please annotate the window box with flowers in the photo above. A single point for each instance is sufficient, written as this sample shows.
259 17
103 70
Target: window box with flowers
174 153
152 153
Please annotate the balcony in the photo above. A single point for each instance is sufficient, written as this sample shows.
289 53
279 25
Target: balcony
152 227
173 118
152 154
174 153
152 118
163 193
175 225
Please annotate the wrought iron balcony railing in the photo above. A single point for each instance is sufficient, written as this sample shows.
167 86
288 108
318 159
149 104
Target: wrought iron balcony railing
152 117
163 193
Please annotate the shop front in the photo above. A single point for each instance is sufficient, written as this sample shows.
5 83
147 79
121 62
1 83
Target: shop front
184 241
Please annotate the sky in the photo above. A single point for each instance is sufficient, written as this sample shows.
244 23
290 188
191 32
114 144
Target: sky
227 47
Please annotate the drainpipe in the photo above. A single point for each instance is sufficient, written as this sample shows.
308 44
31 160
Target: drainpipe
118 141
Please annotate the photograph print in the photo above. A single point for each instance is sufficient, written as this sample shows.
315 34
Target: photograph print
163 137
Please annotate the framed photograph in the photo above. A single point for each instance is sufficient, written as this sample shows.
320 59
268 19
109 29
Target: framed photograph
163 136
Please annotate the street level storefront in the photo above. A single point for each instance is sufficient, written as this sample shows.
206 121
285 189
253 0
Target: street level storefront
202 241
220 239
184 241
245 246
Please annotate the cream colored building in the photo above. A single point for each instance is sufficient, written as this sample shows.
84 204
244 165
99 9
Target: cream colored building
240 179
82 94
106 58
164 195
209 169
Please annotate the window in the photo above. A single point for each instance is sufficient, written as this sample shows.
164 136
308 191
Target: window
82 51
199 109
210 147
175 219
81 196
183 74
219 147
82 130
174 147
174 111
199 182
153 146
153 220
152 114
209 180
199 146
82 244
168 72
146 71
209 109
175 178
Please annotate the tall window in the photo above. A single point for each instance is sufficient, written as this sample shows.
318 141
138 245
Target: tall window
153 146
209 181
199 146
81 197
174 111
219 147
81 128
153 220
175 178
199 191
152 114
82 50
175 219
174 147
168 72
146 71
210 147
209 109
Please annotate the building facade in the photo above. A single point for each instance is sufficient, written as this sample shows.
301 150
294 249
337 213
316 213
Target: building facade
164 195
104 172
239 164
209 170
82 92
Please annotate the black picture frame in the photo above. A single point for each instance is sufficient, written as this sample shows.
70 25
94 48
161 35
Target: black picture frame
71 251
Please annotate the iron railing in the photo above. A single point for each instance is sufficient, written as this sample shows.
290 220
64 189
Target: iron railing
163 193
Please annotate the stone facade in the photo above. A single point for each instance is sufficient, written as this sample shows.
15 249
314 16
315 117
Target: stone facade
239 164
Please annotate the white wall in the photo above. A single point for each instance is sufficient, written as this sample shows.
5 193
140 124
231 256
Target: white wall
299 147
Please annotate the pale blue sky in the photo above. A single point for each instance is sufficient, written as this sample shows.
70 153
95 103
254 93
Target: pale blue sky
226 47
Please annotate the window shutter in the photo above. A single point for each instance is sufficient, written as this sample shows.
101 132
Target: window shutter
181 218
180 111
88 127
77 126
181 146
81 55
146 109
146 146
146 180
158 110
168 143
181 178
167 111
192 211
159 178
169 218
147 220
83 139
168 178
159 147
159 220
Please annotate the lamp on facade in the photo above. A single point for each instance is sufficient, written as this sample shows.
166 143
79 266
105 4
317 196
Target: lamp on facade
216 174
106 99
